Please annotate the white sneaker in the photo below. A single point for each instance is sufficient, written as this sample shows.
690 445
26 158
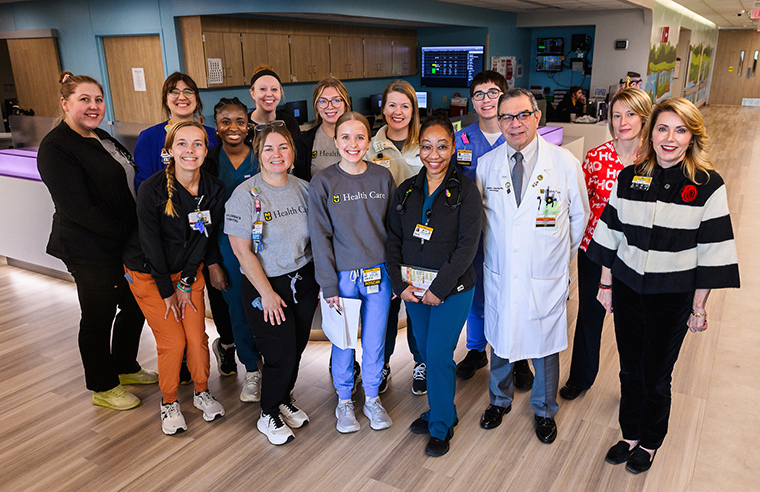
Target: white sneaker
292 415
378 417
172 420
346 418
208 404
251 387
275 429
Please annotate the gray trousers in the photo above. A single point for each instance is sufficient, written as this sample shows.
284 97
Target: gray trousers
543 396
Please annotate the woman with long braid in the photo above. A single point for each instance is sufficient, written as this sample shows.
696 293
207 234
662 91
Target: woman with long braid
178 210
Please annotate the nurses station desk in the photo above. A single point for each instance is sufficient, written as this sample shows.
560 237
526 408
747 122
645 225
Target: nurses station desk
27 213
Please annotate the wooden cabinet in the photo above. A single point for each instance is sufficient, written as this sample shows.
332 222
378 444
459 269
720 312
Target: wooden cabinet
378 57
266 49
404 56
309 58
346 57
224 46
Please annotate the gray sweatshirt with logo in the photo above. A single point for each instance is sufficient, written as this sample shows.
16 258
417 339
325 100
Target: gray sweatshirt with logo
347 216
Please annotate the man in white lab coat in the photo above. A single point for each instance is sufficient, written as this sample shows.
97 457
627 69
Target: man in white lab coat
536 208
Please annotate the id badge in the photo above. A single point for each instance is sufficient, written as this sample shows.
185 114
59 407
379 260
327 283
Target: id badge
371 279
548 208
258 231
385 162
641 183
464 157
199 216
423 232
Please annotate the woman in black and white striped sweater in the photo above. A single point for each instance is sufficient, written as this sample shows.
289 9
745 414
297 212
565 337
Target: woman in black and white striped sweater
664 241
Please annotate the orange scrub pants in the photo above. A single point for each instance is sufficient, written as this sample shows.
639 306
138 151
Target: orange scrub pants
173 337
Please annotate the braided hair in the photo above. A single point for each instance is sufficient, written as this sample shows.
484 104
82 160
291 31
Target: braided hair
171 134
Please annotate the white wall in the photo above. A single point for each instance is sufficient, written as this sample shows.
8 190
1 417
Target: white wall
610 65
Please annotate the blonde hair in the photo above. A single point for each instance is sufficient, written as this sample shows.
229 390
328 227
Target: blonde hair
69 83
405 88
638 100
338 86
171 134
353 116
696 159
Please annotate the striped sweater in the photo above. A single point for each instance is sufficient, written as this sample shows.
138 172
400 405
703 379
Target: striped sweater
672 237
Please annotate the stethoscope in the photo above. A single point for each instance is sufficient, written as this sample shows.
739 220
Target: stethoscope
450 183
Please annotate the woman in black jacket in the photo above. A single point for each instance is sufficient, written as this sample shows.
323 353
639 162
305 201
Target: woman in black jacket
178 211
433 230
90 177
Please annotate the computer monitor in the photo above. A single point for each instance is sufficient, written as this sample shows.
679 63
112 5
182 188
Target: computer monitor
422 100
550 46
298 110
548 63
450 66
376 104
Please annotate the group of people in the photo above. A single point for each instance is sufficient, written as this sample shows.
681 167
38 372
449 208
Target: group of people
475 227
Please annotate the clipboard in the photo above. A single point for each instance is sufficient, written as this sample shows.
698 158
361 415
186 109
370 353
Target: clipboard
341 329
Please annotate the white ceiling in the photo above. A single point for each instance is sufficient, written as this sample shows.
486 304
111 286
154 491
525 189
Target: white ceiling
722 12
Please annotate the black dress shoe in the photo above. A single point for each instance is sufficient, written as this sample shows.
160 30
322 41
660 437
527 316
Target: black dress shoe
437 447
474 360
492 416
640 461
570 392
420 426
546 429
619 453
522 375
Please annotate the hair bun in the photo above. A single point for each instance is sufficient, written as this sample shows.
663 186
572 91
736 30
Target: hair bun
64 77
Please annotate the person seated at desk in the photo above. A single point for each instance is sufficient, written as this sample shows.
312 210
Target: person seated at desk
574 102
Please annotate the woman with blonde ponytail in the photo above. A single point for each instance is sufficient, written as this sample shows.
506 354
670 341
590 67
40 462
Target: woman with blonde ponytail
178 210
90 178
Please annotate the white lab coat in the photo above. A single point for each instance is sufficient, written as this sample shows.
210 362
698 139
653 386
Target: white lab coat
526 268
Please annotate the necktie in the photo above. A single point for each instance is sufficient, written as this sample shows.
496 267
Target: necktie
517 176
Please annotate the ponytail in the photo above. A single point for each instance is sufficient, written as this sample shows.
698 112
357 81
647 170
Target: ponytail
170 135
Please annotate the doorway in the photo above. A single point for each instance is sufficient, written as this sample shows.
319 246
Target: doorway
736 63
683 55
135 77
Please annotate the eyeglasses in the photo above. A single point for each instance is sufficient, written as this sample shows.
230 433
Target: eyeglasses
336 101
492 94
440 149
507 118
187 93
272 124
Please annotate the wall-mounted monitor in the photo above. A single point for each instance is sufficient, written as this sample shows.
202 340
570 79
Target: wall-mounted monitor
550 46
450 66
422 99
548 63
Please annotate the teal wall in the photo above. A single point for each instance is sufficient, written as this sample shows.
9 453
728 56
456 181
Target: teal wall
566 78
81 24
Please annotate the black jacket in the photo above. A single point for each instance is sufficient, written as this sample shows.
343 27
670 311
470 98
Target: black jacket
456 221
94 209
165 245
304 148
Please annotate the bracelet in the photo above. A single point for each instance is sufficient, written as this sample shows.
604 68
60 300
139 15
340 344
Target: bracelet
699 315
604 286
183 286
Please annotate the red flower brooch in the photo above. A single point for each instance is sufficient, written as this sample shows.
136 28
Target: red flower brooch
689 193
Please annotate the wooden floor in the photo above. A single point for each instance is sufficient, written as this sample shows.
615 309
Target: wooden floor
52 438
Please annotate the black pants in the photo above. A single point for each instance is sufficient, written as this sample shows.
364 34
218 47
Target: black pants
101 289
588 326
650 330
219 310
281 346
391 332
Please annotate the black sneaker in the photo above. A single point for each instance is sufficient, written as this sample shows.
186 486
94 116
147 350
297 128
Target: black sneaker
225 358
419 379
474 360
385 377
184 373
